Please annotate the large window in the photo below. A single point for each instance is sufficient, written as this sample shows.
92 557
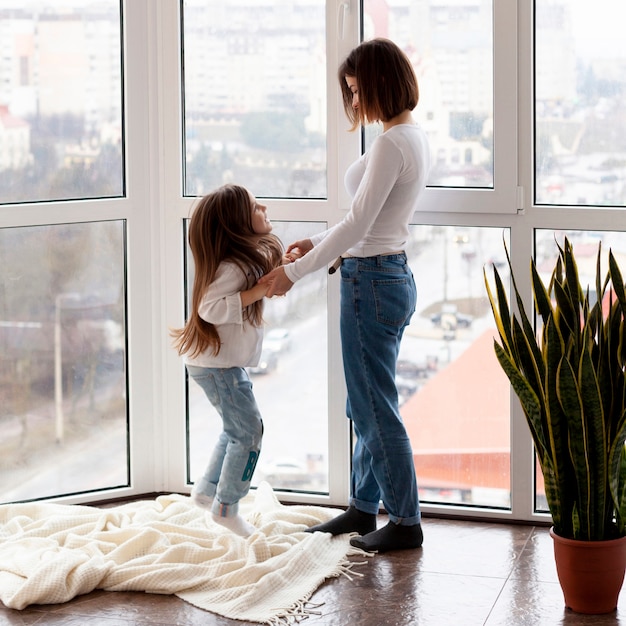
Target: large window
255 114
580 82
586 244
116 115
447 355
579 148
290 385
448 376
451 47
255 96
63 415
61 105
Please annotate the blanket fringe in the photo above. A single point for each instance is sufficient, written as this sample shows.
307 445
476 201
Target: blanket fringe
303 609
353 551
296 614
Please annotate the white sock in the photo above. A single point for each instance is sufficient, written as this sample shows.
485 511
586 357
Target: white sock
236 524
201 499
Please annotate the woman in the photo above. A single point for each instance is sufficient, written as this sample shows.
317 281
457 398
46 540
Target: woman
378 292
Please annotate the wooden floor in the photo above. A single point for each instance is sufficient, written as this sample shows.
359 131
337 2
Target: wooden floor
466 574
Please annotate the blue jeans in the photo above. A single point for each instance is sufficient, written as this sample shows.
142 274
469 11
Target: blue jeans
228 475
378 298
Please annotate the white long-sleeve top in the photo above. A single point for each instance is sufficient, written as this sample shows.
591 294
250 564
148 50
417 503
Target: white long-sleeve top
221 305
385 184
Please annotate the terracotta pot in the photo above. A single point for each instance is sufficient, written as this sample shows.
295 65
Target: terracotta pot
591 573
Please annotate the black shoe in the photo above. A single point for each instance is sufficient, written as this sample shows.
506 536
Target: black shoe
350 521
390 537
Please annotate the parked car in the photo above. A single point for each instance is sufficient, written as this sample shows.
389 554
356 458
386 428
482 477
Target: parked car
406 388
267 363
417 369
448 313
285 473
277 339
410 375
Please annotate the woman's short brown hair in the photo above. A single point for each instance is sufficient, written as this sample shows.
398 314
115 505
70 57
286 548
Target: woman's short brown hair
385 79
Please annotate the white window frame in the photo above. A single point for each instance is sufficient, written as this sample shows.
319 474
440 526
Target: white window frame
154 210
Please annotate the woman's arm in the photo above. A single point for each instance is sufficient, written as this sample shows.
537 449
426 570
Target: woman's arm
377 172
276 282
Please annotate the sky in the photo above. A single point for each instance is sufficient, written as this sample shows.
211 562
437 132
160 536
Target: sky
599 27
598 24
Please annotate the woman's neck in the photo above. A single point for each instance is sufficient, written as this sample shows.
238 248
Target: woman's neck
403 118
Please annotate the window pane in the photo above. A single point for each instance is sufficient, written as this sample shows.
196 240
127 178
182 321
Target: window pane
451 47
290 386
455 397
580 115
255 97
585 244
61 111
63 408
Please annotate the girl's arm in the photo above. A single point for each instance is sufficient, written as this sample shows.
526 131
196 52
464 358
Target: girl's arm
249 296
227 297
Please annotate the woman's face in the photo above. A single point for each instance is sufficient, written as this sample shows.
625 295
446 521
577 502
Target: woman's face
261 224
352 86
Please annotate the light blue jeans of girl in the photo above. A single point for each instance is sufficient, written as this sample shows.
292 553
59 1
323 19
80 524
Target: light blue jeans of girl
229 472
378 298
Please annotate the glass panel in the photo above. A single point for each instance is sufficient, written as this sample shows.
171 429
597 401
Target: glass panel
451 47
290 386
455 397
63 406
61 105
255 96
580 116
585 244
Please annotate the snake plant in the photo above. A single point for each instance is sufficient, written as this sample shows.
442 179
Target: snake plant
569 378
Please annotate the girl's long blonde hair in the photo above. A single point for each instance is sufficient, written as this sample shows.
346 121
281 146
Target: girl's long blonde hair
221 230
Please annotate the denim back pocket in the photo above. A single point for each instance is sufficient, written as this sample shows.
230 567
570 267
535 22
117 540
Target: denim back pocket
393 299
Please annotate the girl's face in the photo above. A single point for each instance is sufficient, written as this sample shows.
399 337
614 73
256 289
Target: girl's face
352 86
261 224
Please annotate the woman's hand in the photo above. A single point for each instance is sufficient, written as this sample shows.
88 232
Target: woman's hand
277 282
293 255
300 248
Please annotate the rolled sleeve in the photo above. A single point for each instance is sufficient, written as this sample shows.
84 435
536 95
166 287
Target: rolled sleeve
221 303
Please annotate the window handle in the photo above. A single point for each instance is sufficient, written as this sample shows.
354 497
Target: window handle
342 14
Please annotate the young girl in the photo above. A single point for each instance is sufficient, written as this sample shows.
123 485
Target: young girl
232 246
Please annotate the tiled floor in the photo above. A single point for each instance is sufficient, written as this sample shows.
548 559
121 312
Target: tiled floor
466 574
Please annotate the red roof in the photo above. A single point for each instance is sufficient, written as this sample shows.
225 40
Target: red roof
10 121
459 422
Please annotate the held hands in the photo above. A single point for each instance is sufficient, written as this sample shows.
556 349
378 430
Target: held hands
292 255
300 248
294 252
276 281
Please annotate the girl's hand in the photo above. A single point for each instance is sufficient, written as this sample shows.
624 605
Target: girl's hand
292 255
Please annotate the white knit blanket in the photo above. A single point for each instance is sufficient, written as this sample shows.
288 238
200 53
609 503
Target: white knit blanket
50 553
